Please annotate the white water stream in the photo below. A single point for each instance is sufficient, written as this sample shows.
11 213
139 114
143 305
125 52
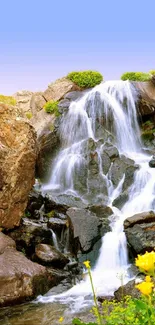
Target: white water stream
114 104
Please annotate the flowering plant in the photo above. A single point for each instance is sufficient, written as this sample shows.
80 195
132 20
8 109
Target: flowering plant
129 311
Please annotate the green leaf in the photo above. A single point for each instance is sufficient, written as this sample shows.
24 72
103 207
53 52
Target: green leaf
77 321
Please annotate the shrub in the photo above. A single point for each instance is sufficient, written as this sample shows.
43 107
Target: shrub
85 79
51 107
152 72
8 100
136 76
29 115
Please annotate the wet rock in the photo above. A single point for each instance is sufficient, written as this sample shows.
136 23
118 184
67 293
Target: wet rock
48 146
121 166
63 105
74 95
20 279
152 163
18 152
140 231
121 200
57 224
86 228
49 255
111 151
106 162
127 290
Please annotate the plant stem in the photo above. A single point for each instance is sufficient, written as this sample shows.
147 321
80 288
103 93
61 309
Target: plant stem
95 299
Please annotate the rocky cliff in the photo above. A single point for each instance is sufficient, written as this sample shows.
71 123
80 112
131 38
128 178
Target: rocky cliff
18 152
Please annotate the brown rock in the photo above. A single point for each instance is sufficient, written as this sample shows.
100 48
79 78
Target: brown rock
146 103
144 217
50 255
17 165
59 89
20 278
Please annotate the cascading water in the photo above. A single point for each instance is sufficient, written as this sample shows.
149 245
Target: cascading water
104 116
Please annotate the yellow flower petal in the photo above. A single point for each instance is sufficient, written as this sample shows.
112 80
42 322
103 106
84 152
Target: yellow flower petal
145 288
61 319
87 264
148 278
146 262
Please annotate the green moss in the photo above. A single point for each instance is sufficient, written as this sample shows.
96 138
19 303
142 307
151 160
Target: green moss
7 100
85 79
29 115
51 107
148 135
51 214
136 76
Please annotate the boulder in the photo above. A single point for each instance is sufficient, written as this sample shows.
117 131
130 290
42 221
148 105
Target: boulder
152 163
140 232
74 95
146 103
29 234
127 290
86 228
121 166
58 89
49 255
18 152
20 279
48 146
23 100
121 200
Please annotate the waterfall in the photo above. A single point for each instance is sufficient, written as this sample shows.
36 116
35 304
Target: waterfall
54 238
106 114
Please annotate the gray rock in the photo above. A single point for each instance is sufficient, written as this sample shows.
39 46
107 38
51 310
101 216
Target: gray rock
63 105
106 162
70 200
127 290
141 237
86 227
119 168
74 95
111 151
121 200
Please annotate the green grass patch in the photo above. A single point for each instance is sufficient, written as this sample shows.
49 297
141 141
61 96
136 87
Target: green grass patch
85 79
8 100
136 76
51 107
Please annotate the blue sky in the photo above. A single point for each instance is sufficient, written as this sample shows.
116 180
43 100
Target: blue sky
44 40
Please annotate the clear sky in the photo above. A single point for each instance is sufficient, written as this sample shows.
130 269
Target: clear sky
44 40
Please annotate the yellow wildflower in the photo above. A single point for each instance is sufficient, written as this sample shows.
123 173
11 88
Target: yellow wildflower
145 288
61 319
87 264
148 278
146 262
